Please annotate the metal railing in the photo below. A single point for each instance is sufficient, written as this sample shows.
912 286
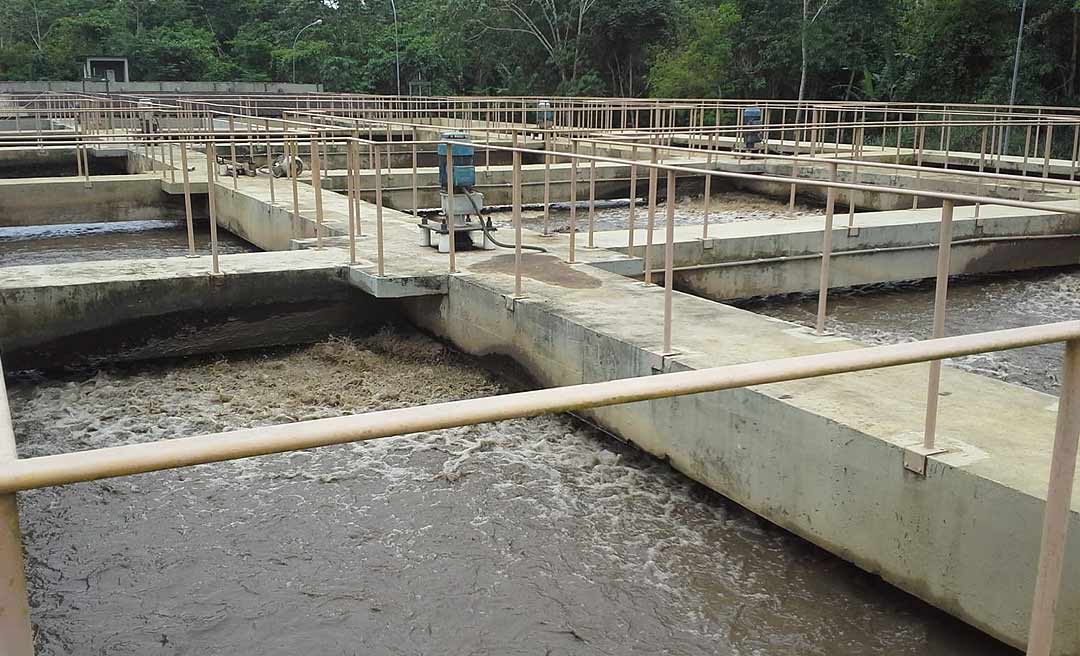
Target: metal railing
336 123
290 134
43 471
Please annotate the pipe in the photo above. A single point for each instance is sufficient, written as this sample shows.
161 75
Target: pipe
95 464
489 231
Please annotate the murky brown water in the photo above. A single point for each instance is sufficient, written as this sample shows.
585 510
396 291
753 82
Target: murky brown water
892 313
725 207
121 240
533 536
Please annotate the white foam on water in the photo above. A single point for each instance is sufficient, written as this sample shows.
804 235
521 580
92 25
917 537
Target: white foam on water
575 531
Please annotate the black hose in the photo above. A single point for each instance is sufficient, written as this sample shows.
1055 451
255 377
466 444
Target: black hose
486 228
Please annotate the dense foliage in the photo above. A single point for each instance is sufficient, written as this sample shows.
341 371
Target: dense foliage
872 49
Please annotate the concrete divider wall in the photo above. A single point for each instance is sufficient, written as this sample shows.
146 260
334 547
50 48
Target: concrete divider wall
888 246
71 314
800 454
270 227
52 201
786 276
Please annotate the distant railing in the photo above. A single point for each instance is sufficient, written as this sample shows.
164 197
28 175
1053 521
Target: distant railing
188 125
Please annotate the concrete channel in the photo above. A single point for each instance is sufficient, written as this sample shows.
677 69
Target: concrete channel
822 458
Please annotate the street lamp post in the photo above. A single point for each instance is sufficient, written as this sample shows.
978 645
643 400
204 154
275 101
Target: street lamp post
313 23
1015 76
397 47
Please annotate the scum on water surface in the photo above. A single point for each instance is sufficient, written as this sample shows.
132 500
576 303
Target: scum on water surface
537 536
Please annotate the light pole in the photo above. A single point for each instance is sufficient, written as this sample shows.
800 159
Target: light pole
397 47
1016 75
313 23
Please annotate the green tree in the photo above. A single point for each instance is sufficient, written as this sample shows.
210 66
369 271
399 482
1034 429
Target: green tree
697 65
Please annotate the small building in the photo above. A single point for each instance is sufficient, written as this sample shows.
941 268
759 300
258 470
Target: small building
113 69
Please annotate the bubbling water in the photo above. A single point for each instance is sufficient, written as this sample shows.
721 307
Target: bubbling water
119 240
526 536
903 312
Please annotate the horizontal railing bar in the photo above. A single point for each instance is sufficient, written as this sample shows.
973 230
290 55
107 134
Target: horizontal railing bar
731 264
62 469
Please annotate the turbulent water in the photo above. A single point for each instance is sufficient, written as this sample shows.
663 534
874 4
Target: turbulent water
903 312
725 207
536 536
120 240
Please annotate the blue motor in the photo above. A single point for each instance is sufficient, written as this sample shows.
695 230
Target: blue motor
752 118
545 115
464 165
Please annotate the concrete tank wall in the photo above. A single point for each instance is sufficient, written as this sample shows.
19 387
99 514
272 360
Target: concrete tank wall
809 455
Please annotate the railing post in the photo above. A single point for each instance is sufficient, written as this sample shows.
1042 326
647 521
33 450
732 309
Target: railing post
187 199
1046 157
708 199
269 162
172 164
351 193
592 199
940 293
979 183
415 191
547 181
293 160
1075 152
650 216
232 151
1056 512
516 194
855 173
451 235
1024 171
16 632
86 166
633 207
357 166
316 182
211 187
826 251
794 175
669 259
573 202
918 163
